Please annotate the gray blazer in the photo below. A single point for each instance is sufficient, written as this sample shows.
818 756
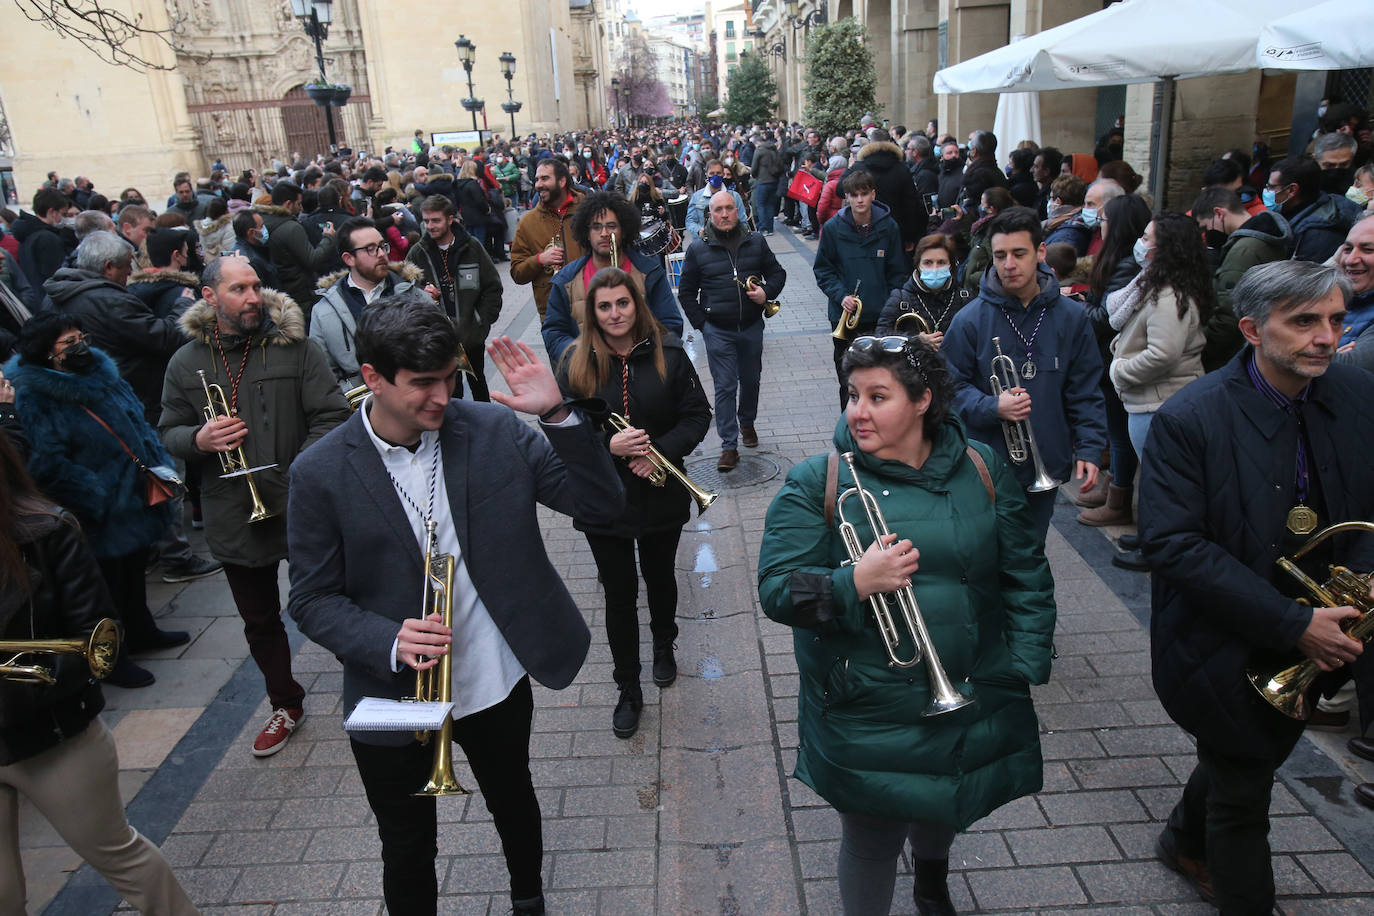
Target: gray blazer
356 567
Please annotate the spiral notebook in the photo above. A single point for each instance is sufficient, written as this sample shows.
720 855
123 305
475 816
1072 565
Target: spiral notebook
374 714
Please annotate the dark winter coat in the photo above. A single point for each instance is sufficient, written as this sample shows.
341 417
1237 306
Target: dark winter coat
14 278
978 177
895 190
167 293
1217 481
67 598
118 322
287 397
1068 413
1321 226
675 414
81 466
473 298
260 261
709 289
1263 238
872 260
1023 189
1124 272
951 181
767 165
473 205
937 307
299 264
41 248
334 323
568 296
1069 229
986 595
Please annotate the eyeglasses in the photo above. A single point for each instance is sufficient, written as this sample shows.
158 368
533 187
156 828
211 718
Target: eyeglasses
891 344
598 228
68 340
373 250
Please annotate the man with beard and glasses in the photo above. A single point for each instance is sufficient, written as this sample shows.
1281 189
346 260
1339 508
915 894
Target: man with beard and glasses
730 317
543 242
369 275
1240 467
458 274
282 398
603 218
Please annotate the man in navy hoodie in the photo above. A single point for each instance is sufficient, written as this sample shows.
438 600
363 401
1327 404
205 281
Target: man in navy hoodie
859 258
1049 339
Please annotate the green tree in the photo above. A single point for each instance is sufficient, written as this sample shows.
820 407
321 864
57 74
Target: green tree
752 91
707 103
841 82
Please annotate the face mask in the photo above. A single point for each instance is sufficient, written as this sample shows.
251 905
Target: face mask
262 237
1089 215
68 222
1214 238
78 357
1321 111
1057 210
1141 252
984 211
1008 171
715 181
1271 199
1358 195
586 154
1335 181
935 279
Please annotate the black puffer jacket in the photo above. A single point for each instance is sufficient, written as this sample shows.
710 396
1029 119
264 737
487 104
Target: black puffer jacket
68 597
709 291
883 161
41 248
937 307
122 325
473 205
978 177
675 414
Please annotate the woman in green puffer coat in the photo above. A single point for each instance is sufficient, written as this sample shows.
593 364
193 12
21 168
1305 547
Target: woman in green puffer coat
965 543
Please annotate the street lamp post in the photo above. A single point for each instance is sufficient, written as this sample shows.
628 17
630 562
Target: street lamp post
467 53
315 16
615 93
510 106
625 104
815 17
776 49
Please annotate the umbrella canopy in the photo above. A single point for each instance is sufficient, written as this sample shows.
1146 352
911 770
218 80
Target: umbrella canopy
1018 117
1134 41
1335 35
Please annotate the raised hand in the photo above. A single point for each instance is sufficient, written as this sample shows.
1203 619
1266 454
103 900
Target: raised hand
533 388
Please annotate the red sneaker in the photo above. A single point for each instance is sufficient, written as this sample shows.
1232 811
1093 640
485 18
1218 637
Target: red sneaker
278 729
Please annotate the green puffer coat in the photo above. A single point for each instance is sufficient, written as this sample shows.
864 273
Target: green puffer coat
986 594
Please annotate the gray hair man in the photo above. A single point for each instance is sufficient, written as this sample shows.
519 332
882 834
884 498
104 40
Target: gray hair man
1240 467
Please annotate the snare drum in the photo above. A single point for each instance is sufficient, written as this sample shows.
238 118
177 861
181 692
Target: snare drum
655 238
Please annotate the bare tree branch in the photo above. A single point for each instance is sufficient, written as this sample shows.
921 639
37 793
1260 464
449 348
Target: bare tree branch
107 33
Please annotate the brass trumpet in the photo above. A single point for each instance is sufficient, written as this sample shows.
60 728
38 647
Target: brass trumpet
1019 435
663 467
555 242
943 697
915 318
771 307
1287 690
849 321
100 649
436 684
233 462
357 395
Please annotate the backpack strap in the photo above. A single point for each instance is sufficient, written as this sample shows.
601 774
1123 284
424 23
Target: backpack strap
832 479
981 466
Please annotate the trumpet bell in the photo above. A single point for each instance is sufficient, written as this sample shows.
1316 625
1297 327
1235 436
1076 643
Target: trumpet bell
771 308
916 320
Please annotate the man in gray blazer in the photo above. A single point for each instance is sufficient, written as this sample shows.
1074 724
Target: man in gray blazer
361 500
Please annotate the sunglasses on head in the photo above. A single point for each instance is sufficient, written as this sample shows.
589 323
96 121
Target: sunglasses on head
894 343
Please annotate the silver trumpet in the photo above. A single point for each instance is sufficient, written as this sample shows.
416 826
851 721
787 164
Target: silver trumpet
943 697
1020 437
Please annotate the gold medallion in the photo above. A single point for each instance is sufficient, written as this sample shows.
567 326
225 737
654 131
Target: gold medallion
1302 520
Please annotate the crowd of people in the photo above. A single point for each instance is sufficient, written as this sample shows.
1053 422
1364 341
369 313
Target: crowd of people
1004 322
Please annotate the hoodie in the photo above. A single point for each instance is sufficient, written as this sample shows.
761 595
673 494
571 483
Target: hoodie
1069 417
41 248
1321 226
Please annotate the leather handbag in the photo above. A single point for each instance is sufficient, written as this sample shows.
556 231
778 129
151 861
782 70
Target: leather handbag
161 484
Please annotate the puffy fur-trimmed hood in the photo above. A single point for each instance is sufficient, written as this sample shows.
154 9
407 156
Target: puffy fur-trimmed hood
284 324
157 276
273 210
869 149
403 270
208 225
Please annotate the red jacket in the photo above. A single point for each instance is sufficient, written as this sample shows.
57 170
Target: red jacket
831 199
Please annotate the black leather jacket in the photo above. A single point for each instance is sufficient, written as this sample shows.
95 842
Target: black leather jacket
67 598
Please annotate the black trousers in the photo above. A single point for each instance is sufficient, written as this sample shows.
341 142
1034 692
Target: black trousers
478 357
125 577
497 744
258 599
1224 818
615 562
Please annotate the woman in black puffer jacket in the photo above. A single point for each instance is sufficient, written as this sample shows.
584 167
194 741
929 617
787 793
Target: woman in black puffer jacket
623 356
54 750
930 293
473 205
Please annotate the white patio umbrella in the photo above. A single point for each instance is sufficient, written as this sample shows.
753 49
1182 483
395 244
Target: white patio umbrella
1017 119
1335 35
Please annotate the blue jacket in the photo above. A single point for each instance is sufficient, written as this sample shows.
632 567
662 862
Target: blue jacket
560 326
1322 225
78 464
1358 316
1068 413
874 259
697 206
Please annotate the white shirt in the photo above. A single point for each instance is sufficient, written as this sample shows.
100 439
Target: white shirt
485 669
369 296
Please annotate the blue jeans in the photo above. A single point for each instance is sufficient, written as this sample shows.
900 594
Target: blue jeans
1139 426
1125 458
766 204
736 361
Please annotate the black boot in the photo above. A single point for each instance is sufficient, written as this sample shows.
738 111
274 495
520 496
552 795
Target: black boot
931 891
625 720
665 666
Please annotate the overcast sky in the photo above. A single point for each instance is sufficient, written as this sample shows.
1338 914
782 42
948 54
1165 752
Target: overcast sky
646 8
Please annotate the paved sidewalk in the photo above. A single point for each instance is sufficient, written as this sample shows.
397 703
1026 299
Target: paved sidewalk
697 813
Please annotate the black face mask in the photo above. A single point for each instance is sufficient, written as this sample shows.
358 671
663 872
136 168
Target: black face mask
1214 238
950 165
77 358
1336 181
